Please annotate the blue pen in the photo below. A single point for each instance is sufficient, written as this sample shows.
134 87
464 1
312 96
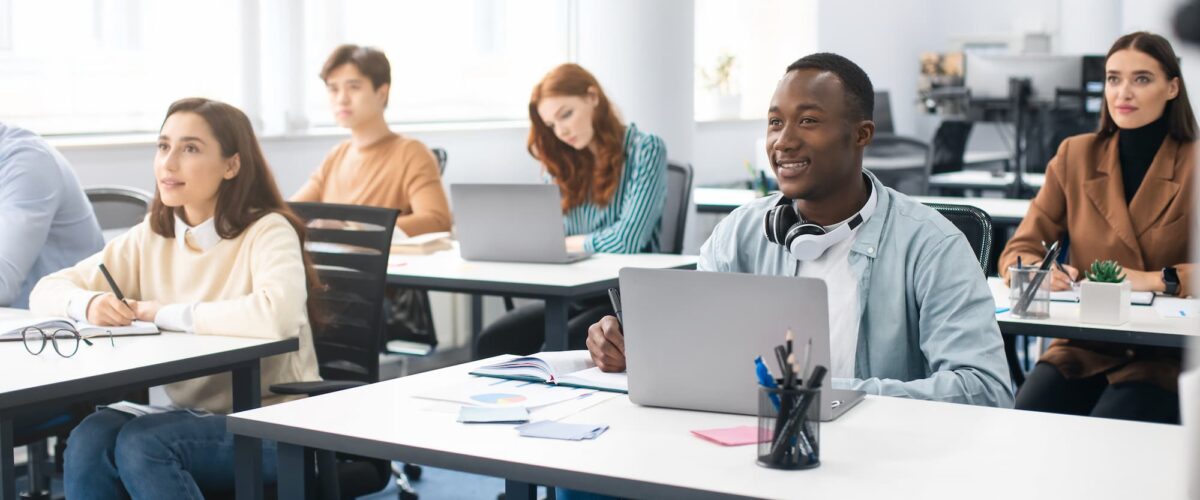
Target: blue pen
1001 310
765 379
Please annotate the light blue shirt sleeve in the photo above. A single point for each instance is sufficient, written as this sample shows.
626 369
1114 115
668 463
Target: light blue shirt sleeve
642 207
957 335
29 196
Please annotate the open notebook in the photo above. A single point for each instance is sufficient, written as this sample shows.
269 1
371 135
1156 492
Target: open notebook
11 328
566 368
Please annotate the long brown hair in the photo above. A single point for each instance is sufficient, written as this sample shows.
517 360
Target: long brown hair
1181 123
247 197
580 175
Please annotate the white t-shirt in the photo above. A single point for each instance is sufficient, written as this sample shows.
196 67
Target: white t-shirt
834 267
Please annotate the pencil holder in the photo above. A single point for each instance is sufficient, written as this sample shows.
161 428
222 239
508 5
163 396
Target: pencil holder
1029 286
789 422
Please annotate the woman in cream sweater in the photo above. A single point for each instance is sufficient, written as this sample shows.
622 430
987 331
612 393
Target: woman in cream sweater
219 254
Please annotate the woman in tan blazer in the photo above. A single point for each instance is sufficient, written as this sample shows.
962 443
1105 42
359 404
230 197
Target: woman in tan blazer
1121 193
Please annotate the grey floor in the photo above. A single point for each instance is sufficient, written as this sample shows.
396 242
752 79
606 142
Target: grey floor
438 484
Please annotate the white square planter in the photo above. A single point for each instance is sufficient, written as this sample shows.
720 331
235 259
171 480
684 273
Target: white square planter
1104 303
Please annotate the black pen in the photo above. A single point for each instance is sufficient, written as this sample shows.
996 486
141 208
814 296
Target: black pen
113 284
614 296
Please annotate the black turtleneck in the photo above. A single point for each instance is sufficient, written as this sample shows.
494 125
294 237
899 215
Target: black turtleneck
1136 148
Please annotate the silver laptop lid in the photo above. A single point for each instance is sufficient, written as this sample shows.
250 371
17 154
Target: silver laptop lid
691 337
509 222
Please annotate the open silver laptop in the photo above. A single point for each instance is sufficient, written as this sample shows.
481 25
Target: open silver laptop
691 337
510 223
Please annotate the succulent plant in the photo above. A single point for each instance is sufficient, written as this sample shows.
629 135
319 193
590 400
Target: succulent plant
1106 271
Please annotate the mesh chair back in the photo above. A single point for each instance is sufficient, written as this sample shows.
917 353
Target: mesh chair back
351 260
909 177
975 224
672 226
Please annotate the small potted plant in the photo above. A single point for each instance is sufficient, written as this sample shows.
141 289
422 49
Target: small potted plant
1104 297
726 102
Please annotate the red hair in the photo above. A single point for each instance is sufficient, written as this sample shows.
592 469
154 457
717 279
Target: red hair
581 176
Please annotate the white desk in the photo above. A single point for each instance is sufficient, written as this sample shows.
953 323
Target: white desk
1004 211
983 180
884 448
557 284
29 383
1146 326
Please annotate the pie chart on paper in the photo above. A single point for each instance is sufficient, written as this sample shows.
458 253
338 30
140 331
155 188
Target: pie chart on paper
494 398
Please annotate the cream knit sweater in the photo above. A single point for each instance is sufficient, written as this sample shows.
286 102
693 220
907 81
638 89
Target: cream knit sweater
249 286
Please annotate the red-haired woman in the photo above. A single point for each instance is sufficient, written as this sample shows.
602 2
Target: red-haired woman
219 254
613 179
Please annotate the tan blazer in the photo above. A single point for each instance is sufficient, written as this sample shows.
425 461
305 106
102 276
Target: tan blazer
1084 198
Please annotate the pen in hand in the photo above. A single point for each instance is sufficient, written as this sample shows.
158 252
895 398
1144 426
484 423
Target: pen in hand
113 285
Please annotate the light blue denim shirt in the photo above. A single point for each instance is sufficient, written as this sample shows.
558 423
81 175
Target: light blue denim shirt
927 325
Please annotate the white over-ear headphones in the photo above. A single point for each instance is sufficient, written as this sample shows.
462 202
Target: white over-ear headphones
807 241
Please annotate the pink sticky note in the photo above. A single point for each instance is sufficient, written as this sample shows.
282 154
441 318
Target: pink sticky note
732 436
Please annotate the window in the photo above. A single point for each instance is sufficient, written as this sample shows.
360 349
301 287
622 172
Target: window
452 60
80 66
741 50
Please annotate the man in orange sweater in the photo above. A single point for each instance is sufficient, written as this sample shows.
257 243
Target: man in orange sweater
376 166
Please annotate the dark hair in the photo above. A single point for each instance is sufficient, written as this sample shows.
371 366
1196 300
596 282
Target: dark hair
1181 123
860 94
369 60
581 176
245 198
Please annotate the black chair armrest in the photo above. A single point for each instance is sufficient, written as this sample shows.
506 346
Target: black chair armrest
315 388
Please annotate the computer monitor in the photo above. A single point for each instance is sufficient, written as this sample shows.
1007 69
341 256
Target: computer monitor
883 113
987 75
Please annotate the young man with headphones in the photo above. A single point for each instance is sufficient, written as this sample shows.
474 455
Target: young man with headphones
910 314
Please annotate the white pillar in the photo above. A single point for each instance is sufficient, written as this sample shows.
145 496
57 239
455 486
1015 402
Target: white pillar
641 51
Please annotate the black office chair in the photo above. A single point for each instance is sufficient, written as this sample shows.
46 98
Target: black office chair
911 178
118 208
950 145
352 265
441 156
976 225
672 228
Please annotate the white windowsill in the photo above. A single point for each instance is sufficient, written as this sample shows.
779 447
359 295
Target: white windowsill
93 141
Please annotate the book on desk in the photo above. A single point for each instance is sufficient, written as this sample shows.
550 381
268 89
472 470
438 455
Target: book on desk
565 368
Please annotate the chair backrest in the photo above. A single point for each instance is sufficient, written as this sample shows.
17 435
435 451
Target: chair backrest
118 207
911 179
672 226
441 156
975 224
949 145
883 113
349 245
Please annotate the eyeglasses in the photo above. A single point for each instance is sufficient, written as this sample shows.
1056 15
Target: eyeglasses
65 340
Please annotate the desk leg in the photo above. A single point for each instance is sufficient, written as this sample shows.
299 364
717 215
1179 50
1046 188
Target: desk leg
556 324
476 321
516 490
8 479
247 450
291 472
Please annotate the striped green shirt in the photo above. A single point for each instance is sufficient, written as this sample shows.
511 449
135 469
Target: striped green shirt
629 224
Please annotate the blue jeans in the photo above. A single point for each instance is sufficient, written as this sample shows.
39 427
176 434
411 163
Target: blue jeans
174 455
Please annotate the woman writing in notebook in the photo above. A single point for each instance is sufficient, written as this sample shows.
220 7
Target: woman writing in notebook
1122 193
613 179
218 254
